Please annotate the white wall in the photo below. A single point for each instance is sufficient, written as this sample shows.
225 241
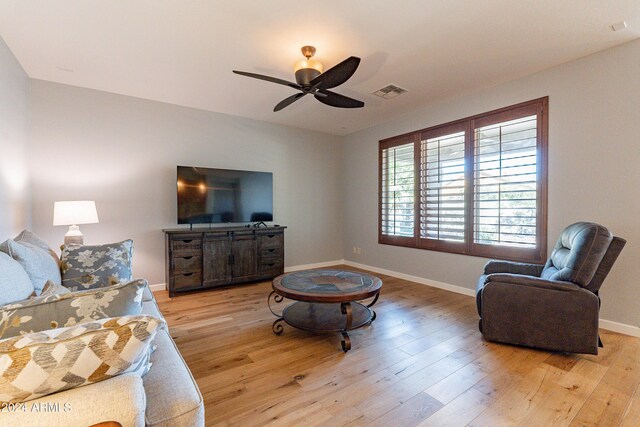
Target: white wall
14 129
594 169
122 152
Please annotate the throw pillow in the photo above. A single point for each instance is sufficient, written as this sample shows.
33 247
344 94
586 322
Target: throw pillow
41 363
90 267
37 262
62 310
51 288
15 284
27 236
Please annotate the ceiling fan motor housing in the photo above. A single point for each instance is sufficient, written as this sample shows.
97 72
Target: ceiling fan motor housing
305 75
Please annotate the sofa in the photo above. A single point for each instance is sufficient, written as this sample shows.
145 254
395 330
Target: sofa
167 395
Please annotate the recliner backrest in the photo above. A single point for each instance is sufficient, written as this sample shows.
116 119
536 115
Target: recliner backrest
616 246
578 253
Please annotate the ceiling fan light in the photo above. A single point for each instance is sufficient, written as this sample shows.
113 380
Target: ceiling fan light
308 63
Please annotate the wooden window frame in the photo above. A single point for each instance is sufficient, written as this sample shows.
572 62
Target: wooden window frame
539 107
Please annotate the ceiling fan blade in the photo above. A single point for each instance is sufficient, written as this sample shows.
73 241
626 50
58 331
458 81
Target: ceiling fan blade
336 100
288 101
269 79
338 74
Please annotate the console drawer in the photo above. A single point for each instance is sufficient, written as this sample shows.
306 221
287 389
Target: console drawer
187 263
273 240
271 252
187 280
185 244
271 266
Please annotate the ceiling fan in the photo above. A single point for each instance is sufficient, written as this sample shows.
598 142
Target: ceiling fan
310 80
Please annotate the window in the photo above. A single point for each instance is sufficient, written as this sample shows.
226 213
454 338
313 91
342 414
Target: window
398 204
476 186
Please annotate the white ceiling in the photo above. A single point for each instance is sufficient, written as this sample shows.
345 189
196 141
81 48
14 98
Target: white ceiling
182 51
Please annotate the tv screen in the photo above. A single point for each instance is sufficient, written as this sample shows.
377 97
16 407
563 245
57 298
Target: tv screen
208 196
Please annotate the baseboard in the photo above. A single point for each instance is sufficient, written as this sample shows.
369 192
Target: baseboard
410 278
312 266
620 328
609 325
158 287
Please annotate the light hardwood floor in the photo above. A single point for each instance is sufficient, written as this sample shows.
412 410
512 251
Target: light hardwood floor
422 362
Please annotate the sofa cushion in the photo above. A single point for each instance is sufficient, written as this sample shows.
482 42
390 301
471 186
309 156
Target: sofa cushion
15 284
62 310
151 308
38 263
90 267
86 406
173 397
147 295
41 363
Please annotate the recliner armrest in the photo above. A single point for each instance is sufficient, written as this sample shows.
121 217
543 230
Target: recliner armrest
521 279
495 266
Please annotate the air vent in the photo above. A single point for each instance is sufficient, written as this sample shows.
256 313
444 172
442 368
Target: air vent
389 91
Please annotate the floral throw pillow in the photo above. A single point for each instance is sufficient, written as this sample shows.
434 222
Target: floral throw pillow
67 309
90 267
41 363
50 288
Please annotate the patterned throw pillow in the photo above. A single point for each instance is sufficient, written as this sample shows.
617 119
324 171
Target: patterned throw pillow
51 288
61 310
41 363
90 267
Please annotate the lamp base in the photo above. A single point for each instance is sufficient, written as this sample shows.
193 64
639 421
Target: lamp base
73 236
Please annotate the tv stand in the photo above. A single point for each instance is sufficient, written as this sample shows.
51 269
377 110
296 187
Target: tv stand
203 258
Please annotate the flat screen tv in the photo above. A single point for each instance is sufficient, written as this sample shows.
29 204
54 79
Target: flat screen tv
210 196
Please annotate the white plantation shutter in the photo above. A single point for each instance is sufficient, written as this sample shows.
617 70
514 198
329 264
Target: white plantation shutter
442 187
397 196
505 183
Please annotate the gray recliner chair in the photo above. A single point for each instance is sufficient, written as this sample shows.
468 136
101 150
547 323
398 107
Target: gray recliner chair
554 306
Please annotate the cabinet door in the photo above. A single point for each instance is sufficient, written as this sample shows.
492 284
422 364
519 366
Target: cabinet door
215 259
244 249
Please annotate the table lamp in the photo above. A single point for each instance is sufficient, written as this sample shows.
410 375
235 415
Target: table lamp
73 213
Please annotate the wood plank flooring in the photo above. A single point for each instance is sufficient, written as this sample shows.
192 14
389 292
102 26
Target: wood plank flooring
421 363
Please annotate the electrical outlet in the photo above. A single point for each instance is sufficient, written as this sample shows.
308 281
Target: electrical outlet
355 250
358 250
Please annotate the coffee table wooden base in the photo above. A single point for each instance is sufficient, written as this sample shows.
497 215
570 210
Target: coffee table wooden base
325 318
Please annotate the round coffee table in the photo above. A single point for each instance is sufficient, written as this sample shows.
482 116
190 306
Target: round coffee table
325 301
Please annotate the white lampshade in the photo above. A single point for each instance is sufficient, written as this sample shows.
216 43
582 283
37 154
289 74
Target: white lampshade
75 212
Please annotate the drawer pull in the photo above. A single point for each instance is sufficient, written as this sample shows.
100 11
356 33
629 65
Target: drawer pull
187 274
187 257
270 250
271 264
270 235
188 241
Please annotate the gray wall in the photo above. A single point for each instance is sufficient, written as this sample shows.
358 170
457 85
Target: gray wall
594 169
14 127
122 152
